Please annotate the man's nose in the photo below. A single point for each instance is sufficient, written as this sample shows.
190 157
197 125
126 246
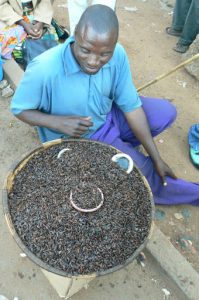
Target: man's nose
94 61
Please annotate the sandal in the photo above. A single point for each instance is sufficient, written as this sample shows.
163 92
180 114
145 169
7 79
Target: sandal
171 31
194 155
180 48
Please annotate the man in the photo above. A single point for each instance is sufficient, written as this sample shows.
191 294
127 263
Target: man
185 23
84 89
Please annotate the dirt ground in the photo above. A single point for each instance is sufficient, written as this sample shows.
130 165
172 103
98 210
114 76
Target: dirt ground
142 32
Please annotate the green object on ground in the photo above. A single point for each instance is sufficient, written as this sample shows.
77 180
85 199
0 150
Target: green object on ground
160 214
186 213
194 155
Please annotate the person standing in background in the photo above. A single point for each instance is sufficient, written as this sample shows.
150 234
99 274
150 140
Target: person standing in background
185 23
77 7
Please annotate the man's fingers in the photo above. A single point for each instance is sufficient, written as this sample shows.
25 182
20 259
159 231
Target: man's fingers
81 129
164 182
86 122
170 174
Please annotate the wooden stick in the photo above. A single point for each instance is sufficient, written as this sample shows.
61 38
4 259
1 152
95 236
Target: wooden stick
186 62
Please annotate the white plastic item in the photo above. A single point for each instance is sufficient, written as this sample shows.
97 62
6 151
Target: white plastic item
116 157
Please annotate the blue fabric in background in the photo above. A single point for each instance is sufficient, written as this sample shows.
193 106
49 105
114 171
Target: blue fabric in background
193 137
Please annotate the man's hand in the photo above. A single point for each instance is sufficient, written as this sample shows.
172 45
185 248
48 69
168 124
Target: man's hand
73 126
163 170
139 125
35 31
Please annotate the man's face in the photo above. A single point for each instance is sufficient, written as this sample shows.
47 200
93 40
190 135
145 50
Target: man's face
91 50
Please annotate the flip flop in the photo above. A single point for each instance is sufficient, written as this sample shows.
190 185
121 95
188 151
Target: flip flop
171 31
194 156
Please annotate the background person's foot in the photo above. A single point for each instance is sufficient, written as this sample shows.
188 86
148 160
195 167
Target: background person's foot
180 48
171 31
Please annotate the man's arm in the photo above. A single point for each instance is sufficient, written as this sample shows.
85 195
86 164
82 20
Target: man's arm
71 125
139 125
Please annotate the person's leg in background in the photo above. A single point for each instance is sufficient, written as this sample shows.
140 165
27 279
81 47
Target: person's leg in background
77 7
110 3
116 132
185 23
75 10
180 14
191 25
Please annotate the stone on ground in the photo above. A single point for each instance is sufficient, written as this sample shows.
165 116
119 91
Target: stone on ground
192 68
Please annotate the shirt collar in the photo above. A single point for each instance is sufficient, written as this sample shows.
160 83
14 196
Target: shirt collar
70 64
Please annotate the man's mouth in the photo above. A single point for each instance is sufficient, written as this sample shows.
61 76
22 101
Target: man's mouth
91 70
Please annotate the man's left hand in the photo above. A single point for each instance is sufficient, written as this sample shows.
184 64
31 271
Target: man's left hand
163 170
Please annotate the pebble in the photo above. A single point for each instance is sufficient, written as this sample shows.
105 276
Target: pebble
161 141
23 255
178 216
132 9
166 293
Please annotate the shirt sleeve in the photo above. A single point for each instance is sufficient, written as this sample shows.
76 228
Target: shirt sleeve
31 92
125 94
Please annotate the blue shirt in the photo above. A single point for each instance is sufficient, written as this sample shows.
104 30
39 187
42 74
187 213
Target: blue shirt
55 84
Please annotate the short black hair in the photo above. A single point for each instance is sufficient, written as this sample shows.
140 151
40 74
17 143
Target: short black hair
101 18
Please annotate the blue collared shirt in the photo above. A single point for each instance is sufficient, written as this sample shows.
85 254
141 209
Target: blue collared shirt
55 84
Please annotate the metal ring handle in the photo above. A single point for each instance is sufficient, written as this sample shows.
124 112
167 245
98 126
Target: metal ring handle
116 157
62 151
85 209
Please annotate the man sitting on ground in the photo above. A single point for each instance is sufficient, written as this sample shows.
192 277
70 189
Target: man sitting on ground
84 88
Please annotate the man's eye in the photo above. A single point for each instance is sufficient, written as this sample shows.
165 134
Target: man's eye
85 51
105 54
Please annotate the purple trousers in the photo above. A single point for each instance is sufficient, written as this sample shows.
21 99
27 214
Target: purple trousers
116 132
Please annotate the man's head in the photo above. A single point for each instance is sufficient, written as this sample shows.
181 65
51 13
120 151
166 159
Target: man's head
96 35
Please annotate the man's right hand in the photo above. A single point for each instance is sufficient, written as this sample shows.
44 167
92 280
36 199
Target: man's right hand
73 125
